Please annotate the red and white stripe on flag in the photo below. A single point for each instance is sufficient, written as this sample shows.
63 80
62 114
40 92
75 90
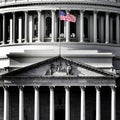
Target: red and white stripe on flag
62 17
70 18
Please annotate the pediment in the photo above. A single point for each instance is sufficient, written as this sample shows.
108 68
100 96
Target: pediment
58 67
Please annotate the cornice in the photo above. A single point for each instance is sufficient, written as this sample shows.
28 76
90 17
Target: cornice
106 4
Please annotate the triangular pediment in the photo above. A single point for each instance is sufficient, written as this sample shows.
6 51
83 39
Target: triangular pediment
57 67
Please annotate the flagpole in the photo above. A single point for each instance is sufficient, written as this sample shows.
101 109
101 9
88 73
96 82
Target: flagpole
59 35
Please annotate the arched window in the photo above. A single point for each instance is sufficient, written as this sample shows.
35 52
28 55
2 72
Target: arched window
48 27
85 27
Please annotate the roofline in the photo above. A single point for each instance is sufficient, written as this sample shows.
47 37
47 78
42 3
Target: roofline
66 59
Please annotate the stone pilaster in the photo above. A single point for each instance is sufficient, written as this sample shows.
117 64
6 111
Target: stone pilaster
82 117
26 26
36 103
6 104
95 26
53 26
21 103
67 103
113 103
81 26
4 28
98 103
67 30
52 111
107 28
39 26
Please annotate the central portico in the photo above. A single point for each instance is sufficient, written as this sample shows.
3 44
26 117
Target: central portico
58 84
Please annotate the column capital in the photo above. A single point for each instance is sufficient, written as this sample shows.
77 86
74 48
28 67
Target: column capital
82 88
82 11
113 88
39 11
97 88
6 87
21 87
95 11
107 12
67 11
53 11
3 14
67 87
52 87
25 11
36 87
13 13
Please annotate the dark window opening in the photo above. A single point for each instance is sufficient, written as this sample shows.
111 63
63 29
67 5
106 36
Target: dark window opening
114 31
48 27
35 27
72 30
85 28
98 31
61 29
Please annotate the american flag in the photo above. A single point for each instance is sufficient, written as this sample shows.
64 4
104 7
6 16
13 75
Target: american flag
67 17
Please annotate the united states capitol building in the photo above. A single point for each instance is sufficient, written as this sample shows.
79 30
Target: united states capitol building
52 69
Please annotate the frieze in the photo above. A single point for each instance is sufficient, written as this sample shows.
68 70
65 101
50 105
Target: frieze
62 81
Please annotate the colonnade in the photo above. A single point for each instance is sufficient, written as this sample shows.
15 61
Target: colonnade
67 103
28 28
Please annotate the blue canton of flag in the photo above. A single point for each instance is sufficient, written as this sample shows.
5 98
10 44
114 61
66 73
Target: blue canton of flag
63 15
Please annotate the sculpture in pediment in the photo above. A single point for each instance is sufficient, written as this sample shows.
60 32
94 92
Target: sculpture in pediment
59 69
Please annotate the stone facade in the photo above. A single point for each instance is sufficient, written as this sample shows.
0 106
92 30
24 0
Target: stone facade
59 70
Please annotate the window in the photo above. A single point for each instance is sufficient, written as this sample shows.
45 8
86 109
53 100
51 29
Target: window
48 27
85 27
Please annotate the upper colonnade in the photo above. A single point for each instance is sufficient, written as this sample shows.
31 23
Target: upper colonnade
36 23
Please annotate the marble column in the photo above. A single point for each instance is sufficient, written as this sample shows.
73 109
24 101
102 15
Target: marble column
98 104
118 28
14 23
20 30
4 28
67 103
30 28
107 28
6 104
52 111
81 26
39 26
53 26
11 31
36 103
102 29
113 103
95 26
21 103
82 117
111 30
67 30
26 26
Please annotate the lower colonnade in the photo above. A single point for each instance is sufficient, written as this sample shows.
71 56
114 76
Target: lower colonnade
67 103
